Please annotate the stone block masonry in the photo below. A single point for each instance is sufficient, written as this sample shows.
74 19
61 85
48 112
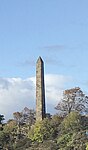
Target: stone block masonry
40 90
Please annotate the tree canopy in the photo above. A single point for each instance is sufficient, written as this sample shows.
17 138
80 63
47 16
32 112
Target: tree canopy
66 132
1 118
73 100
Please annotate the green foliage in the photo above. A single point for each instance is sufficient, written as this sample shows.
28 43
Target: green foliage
73 136
56 120
87 146
4 139
72 141
35 132
41 131
22 144
71 122
7 135
46 145
64 141
1 118
10 126
56 133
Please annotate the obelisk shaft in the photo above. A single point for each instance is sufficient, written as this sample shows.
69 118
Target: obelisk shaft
40 90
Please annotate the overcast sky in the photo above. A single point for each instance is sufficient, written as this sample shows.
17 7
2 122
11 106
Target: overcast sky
56 30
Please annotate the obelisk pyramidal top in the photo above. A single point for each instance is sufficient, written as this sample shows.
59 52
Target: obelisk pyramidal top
40 90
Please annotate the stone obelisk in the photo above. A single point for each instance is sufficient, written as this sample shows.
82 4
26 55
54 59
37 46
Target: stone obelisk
40 90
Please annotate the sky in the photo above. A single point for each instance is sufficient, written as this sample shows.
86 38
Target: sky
56 30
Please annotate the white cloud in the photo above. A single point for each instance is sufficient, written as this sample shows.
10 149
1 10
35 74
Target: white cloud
16 93
54 87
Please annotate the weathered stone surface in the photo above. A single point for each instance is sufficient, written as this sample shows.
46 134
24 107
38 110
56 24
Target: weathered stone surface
40 90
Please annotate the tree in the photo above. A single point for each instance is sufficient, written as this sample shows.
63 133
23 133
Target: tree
28 116
46 145
1 118
18 117
22 144
72 122
73 134
73 99
42 130
7 135
87 146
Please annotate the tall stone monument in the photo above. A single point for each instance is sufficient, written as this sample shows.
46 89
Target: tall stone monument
40 90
